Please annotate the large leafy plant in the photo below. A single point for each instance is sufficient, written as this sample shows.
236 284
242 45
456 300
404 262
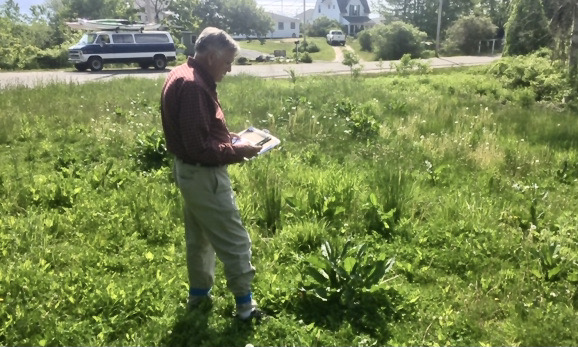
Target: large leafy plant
341 276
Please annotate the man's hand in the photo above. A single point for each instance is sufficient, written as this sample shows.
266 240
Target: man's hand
252 151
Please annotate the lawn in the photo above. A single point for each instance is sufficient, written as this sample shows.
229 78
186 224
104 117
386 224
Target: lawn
364 55
326 52
398 210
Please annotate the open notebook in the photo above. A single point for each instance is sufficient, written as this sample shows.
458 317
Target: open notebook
258 137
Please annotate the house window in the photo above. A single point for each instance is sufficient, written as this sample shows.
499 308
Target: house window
354 10
281 26
292 25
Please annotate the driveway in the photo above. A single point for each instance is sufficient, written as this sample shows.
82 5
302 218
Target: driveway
271 70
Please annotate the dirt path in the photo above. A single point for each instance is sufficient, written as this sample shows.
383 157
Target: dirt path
339 53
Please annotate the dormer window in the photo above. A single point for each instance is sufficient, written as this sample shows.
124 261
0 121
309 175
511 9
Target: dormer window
354 10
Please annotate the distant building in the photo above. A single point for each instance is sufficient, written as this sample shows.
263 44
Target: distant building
284 27
353 15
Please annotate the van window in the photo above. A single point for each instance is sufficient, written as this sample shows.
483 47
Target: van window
87 39
151 38
103 39
122 38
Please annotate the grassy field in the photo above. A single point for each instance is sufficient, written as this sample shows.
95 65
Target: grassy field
399 210
325 53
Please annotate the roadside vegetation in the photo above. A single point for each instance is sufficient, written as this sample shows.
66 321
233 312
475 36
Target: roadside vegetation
414 209
316 47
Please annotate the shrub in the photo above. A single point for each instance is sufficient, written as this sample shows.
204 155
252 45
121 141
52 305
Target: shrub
392 41
547 79
52 58
305 58
364 38
464 34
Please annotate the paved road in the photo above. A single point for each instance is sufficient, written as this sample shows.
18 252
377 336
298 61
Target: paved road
39 78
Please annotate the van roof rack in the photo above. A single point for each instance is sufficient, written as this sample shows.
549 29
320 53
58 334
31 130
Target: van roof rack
112 25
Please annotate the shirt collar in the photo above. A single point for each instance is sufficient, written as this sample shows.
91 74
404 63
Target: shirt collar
205 75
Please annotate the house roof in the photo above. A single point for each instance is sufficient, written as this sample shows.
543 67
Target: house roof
343 5
358 19
278 17
308 14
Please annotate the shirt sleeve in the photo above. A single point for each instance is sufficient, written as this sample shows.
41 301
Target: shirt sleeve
197 120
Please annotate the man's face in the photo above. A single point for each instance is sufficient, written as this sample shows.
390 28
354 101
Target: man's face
221 64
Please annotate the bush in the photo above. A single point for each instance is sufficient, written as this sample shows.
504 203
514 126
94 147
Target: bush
364 38
392 41
464 35
309 47
547 79
305 58
53 58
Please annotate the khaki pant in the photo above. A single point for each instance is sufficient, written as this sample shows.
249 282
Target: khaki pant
213 225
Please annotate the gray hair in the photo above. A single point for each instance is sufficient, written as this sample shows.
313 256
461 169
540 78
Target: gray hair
215 40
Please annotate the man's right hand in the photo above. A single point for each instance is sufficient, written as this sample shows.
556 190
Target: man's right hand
252 151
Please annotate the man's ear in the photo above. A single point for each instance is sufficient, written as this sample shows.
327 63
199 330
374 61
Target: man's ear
211 57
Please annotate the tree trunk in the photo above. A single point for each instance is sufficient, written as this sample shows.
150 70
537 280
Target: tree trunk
573 57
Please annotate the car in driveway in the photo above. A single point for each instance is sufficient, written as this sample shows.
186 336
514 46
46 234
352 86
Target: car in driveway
147 48
336 37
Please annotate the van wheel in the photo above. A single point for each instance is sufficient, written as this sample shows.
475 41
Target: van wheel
160 62
81 66
144 66
95 63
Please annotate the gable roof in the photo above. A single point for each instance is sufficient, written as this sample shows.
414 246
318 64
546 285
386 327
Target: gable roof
343 5
278 17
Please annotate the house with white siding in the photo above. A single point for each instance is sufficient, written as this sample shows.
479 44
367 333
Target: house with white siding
353 15
284 27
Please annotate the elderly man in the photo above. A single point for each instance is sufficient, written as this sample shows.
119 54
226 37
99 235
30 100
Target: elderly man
197 135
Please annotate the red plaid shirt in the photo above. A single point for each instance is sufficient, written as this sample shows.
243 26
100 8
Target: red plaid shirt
193 121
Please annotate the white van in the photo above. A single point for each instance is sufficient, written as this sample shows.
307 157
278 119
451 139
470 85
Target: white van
147 48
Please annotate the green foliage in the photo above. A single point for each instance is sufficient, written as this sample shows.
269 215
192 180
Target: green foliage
464 179
406 65
305 58
351 59
321 26
464 35
241 17
151 151
348 283
392 41
545 78
364 38
527 28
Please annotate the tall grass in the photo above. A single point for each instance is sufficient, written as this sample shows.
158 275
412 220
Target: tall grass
469 185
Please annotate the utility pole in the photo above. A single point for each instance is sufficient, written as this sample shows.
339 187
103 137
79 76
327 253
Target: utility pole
438 29
304 39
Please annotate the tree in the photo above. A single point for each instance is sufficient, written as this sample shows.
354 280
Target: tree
321 26
423 13
241 17
527 28
152 8
497 11
465 34
244 17
11 11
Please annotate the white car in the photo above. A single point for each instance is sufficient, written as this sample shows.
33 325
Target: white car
336 36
